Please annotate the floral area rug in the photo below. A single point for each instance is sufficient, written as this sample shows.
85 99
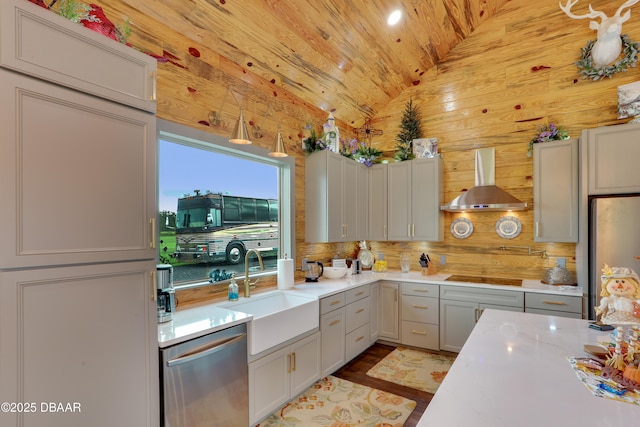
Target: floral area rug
413 368
333 401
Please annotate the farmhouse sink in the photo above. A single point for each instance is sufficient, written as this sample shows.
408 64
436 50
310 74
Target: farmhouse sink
278 316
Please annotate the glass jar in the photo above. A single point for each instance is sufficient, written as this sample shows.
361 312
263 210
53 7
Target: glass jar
405 262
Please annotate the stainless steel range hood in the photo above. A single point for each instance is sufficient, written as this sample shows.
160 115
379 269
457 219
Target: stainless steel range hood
485 196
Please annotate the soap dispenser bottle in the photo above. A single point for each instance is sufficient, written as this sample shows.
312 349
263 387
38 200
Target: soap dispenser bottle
233 289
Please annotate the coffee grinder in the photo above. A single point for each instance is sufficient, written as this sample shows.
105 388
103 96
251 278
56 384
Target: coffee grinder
166 293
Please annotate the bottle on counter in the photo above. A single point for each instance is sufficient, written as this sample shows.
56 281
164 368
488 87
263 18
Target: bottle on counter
233 289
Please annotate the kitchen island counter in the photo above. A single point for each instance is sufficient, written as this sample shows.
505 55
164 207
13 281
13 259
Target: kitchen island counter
513 371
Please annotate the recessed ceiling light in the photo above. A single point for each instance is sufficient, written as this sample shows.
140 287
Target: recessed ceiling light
394 17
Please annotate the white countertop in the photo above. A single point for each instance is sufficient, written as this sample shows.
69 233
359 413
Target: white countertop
513 371
204 319
196 322
325 287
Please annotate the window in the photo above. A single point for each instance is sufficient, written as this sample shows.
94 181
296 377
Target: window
217 201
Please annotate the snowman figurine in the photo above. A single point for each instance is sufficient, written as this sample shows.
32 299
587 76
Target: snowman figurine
620 303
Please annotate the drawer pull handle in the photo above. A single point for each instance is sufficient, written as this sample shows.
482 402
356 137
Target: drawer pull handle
335 302
419 332
335 322
553 302
420 306
360 293
360 311
360 338
421 290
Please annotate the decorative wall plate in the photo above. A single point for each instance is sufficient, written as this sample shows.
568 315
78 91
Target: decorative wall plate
508 227
366 258
461 228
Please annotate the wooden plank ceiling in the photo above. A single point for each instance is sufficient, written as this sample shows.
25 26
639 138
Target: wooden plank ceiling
335 55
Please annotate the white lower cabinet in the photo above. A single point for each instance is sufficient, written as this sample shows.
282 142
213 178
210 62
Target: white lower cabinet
389 320
553 305
332 329
461 307
420 315
357 321
86 335
344 326
374 298
277 377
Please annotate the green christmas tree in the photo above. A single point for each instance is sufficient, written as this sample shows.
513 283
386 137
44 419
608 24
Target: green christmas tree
410 129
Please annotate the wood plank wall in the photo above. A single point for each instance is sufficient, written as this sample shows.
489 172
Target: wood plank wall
515 72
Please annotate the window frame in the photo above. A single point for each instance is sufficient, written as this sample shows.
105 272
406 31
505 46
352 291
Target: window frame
185 135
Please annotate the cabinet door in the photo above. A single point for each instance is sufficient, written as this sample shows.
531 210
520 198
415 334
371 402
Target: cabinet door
305 363
332 328
555 191
457 319
613 153
37 42
84 334
80 174
399 197
349 190
362 197
378 202
426 197
335 220
269 384
388 321
374 297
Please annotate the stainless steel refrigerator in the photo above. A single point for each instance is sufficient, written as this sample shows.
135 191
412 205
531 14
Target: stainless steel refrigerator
614 238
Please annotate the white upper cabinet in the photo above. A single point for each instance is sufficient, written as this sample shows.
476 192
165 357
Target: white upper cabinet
377 229
555 191
414 198
613 153
335 198
78 175
42 44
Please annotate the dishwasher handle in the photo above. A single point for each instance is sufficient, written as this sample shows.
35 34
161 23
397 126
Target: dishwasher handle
217 346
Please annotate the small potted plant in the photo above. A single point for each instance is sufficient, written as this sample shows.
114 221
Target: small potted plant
547 133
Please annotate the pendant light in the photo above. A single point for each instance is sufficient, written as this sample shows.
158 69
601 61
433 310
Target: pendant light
278 149
240 134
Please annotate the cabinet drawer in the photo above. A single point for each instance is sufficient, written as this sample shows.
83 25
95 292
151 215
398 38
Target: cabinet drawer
420 289
331 303
357 341
420 309
357 314
43 44
554 313
481 295
554 302
422 335
357 293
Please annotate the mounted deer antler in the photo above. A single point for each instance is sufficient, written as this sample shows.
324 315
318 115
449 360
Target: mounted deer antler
608 44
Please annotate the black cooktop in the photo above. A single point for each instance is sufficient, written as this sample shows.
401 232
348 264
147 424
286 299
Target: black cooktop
484 280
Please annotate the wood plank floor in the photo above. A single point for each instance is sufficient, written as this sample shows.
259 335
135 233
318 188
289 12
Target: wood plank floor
356 371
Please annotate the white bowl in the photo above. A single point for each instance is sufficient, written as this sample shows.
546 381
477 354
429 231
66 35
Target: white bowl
334 272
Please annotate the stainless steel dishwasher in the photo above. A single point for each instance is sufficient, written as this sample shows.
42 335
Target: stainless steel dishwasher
205 381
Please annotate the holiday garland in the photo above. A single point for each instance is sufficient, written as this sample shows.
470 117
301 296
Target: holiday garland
589 70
